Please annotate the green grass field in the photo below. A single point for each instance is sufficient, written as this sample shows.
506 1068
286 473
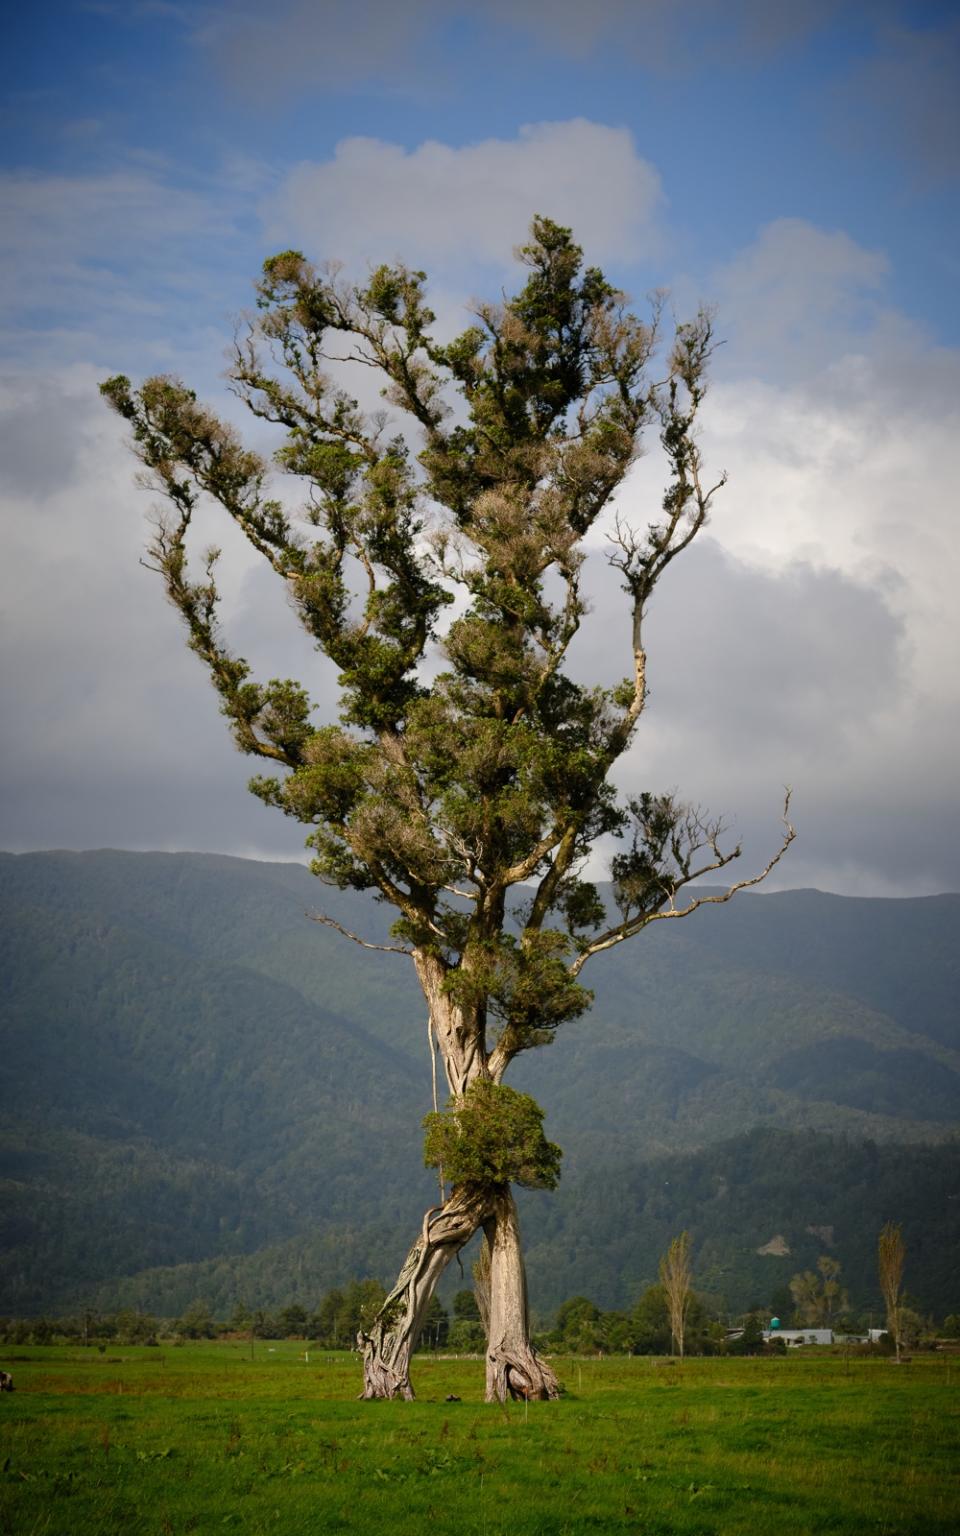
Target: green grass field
202 1438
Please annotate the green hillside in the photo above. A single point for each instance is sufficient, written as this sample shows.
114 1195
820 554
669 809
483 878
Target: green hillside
194 1073
815 1193
602 1233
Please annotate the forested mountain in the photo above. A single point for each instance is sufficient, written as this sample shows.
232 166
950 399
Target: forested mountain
194 1073
761 1207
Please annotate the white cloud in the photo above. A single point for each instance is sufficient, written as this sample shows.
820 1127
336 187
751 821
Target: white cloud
834 418
440 205
796 298
824 648
763 677
813 642
845 484
112 732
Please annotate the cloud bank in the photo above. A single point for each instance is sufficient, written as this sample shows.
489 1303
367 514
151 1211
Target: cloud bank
810 640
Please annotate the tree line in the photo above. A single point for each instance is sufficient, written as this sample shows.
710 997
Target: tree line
667 1318
579 1327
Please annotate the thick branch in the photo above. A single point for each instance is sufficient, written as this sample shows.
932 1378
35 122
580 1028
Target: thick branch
547 889
525 867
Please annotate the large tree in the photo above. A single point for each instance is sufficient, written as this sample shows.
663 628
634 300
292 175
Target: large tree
437 564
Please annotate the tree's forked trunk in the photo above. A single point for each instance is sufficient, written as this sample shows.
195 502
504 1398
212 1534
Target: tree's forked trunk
514 1369
389 1344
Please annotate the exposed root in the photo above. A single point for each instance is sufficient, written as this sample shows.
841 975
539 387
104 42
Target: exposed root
519 1374
380 1379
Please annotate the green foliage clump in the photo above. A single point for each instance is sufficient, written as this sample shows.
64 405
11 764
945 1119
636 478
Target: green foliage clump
750 1341
494 1135
819 1298
197 1322
582 1327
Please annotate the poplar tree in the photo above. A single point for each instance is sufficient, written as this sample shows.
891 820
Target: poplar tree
676 1277
438 565
891 1255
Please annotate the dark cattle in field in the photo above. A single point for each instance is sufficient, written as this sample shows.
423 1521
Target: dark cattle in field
6 1381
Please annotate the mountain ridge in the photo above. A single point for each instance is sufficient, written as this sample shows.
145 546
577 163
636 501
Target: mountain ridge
178 1037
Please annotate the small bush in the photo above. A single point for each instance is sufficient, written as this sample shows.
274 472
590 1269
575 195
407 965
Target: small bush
494 1135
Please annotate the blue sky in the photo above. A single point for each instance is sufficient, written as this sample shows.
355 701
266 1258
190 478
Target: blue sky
847 117
797 166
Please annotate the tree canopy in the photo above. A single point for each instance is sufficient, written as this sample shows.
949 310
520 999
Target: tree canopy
443 796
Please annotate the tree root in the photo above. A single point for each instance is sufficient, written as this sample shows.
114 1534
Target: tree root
520 1374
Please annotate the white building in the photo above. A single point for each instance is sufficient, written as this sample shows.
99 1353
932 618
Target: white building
794 1337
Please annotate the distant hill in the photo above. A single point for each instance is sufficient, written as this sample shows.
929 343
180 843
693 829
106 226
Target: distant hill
760 1207
817 1194
193 1073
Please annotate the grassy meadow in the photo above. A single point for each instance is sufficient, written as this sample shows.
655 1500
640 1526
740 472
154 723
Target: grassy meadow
159 1442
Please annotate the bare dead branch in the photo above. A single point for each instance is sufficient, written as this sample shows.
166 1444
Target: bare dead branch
635 925
331 922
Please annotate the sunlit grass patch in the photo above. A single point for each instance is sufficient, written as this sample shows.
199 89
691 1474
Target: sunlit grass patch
202 1442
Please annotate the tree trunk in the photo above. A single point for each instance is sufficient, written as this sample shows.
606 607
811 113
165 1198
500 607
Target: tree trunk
514 1369
389 1344
513 1366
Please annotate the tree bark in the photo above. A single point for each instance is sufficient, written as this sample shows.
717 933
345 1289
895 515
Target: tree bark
481 1284
389 1344
514 1369
457 1031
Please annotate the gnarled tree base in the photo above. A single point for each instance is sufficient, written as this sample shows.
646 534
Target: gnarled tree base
519 1374
389 1344
514 1369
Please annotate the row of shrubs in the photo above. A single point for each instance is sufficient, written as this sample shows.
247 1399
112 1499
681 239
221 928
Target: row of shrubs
580 1326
